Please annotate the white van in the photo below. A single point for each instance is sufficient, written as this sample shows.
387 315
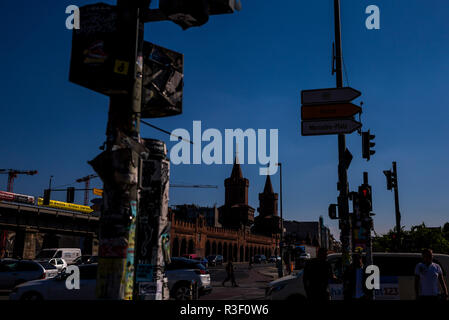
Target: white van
68 254
397 278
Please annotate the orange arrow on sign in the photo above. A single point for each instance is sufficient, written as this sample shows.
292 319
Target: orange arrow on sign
329 111
97 192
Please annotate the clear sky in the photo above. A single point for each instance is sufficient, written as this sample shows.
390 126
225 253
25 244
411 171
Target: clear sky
246 70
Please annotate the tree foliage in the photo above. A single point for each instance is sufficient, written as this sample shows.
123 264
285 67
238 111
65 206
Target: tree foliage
415 240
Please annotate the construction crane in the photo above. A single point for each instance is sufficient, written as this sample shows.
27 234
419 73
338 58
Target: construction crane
86 181
13 173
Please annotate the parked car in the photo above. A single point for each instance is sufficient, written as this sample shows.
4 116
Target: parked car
215 260
203 261
85 260
68 254
274 259
397 278
304 256
260 258
190 256
81 260
59 263
93 259
181 272
55 288
14 272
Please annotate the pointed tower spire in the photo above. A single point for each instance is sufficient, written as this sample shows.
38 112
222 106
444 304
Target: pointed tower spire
236 169
268 186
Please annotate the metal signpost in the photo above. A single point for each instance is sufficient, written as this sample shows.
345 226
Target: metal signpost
327 126
329 111
331 95
341 110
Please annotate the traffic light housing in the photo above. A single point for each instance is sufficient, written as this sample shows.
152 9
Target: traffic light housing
390 181
365 199
70 194
47 193
367 144
333 211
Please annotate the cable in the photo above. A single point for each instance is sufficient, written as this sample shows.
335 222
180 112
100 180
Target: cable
346 72
65 185
165 131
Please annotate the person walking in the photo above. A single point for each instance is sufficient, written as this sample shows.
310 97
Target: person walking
230 274
428 277
354 279
317 273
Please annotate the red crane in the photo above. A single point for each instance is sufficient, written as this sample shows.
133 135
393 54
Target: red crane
86 181
13 173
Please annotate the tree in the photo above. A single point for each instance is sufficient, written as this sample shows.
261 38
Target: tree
415 240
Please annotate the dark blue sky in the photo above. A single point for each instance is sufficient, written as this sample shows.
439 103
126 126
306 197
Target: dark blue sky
246 70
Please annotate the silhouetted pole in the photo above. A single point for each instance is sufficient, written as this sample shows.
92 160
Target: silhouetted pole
117 166
369 225
343 202
396 205
281 238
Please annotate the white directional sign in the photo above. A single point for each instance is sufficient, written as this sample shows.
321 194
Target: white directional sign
322 127
326 96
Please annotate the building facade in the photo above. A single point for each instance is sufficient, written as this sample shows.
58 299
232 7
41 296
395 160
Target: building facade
235 238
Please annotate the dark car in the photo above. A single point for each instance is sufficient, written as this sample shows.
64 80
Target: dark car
215 260
81 260
260 258
85 260
14 272
203 261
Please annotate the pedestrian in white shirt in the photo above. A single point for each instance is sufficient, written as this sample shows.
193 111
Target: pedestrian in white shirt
429 278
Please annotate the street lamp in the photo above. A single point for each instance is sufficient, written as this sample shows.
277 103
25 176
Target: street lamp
49 183
281 272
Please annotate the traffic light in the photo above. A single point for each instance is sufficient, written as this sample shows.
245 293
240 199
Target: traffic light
333 211
47 193
367 145
389 176
70 194
365 199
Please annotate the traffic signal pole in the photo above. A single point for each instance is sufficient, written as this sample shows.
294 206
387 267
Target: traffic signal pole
396 205
343 201
369 226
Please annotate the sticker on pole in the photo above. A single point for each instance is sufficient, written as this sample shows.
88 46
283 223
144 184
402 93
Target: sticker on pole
121 67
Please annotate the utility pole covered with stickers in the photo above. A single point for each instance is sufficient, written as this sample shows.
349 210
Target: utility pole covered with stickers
153 233
143 80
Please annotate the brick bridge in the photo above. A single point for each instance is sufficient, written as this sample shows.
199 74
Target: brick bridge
198 238
30 222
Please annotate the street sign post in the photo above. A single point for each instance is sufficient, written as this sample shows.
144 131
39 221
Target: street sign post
331 95
330 111
323 127
97 192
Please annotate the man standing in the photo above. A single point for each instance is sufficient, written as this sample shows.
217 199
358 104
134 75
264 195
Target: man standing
354 280
428 275
230 274
317 273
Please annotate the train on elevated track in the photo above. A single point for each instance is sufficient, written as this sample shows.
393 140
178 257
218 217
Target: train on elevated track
26 199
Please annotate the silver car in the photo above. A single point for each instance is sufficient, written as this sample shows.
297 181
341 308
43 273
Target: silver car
14 272
181 272
56 289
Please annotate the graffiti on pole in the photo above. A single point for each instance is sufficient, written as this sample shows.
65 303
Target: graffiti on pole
153 223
